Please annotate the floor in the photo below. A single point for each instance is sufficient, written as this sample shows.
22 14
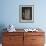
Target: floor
0 44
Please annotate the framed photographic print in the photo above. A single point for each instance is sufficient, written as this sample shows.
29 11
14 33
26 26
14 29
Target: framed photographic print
26 13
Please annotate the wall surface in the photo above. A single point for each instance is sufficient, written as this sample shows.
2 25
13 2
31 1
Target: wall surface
10 13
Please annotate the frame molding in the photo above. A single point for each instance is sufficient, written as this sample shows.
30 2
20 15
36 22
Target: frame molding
20 13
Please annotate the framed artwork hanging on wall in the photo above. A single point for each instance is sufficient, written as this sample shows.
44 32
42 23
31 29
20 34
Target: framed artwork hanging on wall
26 13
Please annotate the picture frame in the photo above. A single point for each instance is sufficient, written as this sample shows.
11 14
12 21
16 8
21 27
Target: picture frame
26 13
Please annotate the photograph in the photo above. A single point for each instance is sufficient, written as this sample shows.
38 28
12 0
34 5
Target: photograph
26 13
22 23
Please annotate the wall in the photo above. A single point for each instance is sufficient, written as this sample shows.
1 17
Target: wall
9 13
